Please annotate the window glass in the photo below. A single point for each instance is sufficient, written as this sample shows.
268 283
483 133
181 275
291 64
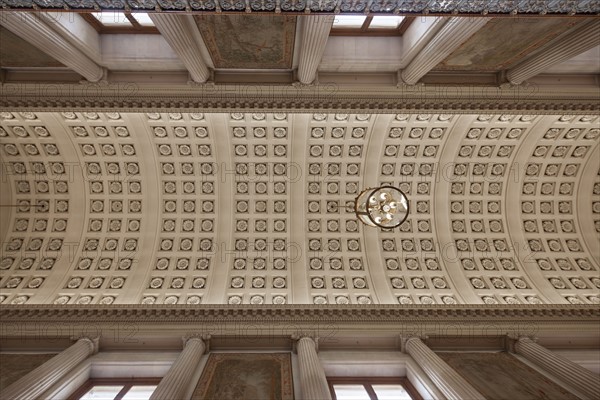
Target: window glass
102 392
351 392
387 22
139 393
112 18
143 19
390 392
349 21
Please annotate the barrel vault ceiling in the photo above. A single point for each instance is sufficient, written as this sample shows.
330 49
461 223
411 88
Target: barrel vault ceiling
248 208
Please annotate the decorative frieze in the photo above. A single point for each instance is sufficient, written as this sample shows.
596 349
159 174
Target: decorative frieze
385 7
302 313
328 95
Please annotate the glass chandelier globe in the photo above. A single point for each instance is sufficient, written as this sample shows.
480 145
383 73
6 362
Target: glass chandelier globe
384 207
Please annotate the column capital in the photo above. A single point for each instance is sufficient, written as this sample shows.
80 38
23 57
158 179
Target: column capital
512 339
296 338
202 337
527 338
102 81
400 84
404 339
94 342
210 83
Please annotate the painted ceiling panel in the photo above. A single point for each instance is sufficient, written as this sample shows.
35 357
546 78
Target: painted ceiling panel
250 42
16 52
244 208
503 42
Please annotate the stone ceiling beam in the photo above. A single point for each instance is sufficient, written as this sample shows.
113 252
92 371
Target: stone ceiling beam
454 33
33 29
315 32
178 31
579 40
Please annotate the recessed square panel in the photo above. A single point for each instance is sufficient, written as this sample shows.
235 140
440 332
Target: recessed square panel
250 42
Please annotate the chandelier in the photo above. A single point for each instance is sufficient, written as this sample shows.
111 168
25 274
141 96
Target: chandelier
384 207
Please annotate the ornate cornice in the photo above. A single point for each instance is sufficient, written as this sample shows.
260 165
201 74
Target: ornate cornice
451 7
376 98
298 313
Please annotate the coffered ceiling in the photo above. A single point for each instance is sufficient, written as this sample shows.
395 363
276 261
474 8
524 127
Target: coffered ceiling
234 208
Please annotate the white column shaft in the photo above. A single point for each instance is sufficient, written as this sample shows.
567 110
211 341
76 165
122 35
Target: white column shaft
315 32
40 379
447 380
77 31
313 382
175 383
31 28
454 33
177 31
571 373
579 40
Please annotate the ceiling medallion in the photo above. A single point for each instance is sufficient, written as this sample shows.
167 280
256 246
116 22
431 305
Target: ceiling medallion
384 207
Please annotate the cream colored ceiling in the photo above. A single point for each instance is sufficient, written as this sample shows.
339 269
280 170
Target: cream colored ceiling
241 208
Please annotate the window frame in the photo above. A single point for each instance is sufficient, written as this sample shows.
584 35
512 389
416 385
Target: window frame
367 382
135 27
127 383
365 31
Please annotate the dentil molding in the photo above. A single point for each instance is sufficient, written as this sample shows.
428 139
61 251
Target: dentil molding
132 96
299 313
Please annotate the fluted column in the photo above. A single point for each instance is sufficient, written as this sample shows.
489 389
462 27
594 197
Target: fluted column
315 32
447 380
31 28
177 31
454 33
579 40
175 383
584 380
40 379
312 376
